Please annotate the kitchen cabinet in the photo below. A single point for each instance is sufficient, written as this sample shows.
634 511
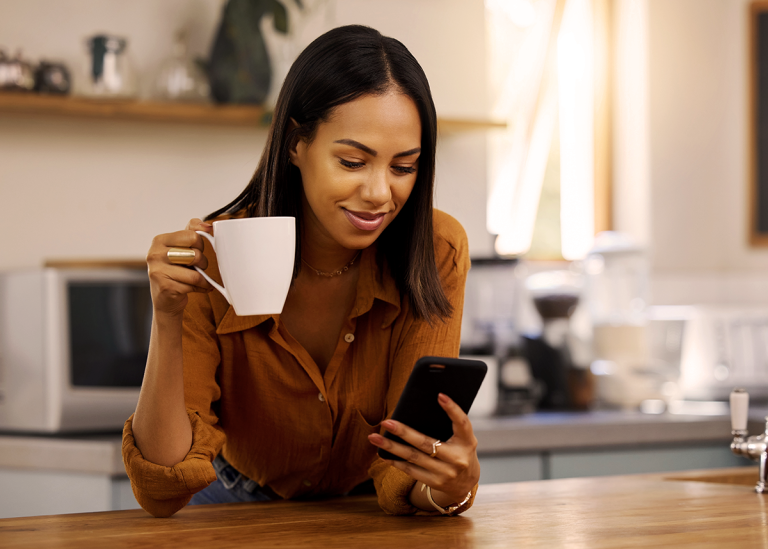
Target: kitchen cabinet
603 462
639 460
551 445
45 475
29 492
42 475
512 468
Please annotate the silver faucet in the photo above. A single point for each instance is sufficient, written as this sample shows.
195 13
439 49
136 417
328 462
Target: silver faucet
755 448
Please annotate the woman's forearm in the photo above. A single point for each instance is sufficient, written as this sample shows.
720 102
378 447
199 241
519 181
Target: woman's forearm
161 426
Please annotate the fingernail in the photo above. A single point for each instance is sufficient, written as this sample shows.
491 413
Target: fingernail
389 424
204 224
443 398
375 438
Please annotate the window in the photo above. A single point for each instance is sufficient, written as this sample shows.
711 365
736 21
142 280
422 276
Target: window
550 171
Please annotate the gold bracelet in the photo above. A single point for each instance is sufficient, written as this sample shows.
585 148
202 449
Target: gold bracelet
451 508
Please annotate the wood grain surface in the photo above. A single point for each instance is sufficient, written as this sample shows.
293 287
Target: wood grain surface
253 116
126 109
672 510
104 263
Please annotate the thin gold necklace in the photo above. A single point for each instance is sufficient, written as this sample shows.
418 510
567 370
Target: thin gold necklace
331 274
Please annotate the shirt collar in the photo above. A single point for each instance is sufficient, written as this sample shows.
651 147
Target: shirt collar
372 284
375 283
232 323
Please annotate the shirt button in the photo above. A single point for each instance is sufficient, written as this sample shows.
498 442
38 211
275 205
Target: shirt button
349 338
320 397
307 483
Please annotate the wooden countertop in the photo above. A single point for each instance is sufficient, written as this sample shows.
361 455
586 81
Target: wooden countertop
695 509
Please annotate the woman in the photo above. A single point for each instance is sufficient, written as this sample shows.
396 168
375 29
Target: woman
290 405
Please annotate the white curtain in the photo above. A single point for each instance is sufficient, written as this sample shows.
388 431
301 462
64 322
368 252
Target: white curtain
524 93
541 73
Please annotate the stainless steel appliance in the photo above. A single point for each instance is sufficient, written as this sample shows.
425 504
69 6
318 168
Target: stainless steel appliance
491 301
489 329
689 356
724 347
752 447
73 346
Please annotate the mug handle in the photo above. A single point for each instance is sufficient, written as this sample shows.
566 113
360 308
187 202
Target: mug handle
208 278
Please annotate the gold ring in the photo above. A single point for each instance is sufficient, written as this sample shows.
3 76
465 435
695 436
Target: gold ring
181 256
434 448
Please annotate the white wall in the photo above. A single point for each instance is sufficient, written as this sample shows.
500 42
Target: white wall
84 188
698 99
631 141
90 188
446 36
698 159
72 188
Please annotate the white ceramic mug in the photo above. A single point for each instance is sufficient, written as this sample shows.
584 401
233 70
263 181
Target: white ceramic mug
255 256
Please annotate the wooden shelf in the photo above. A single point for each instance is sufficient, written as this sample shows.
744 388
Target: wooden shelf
182 113
452 125
144 111
135 263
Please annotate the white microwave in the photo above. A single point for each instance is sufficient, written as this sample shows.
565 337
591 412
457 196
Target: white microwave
73 347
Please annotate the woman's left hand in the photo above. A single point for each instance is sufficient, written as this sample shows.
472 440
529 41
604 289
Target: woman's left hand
454 470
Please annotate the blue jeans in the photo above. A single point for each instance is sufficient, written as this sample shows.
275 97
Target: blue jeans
230 486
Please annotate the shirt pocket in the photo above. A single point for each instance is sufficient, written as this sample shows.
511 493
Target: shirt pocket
363 425
360 452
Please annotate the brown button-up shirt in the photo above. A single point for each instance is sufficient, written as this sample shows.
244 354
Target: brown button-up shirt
255 394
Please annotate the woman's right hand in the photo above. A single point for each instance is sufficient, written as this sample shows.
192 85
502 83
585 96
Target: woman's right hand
171 283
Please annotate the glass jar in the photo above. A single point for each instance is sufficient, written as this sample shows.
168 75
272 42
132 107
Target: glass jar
110 72
180 78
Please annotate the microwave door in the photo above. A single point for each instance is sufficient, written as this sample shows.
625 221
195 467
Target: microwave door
109 340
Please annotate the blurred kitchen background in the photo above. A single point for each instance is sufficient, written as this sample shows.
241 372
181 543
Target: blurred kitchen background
597 152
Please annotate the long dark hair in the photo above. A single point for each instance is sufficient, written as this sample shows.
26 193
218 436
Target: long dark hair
341 66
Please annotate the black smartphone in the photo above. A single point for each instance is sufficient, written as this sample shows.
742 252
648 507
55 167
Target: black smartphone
418 407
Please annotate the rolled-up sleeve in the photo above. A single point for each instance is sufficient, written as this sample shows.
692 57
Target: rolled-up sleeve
163 490
417 338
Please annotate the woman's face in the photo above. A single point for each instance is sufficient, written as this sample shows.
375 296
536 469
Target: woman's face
360 168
